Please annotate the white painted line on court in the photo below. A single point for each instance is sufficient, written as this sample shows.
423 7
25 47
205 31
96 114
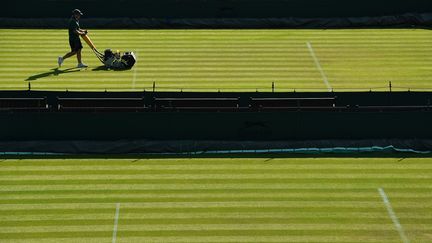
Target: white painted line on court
393 216
135 72
114 238
318 65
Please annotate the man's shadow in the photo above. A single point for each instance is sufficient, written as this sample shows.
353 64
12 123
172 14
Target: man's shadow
53 72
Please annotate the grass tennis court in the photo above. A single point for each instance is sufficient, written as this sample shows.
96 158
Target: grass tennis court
229 60
215 200
239 199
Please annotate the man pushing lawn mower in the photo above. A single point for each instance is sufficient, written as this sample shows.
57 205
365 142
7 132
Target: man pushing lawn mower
109 59
74 39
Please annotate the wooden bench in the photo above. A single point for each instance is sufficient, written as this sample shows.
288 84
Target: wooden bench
24 104
292 103
393 108
196 104
101 104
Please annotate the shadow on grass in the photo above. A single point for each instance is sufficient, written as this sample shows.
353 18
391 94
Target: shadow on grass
53 72
103 68
57 71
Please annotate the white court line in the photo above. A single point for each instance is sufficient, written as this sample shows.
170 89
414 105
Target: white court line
393 215
116 222
135 71
318 65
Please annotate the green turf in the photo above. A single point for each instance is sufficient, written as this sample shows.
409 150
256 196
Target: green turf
229 60
215 199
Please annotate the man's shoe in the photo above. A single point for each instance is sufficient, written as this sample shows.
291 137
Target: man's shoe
82 65
60 61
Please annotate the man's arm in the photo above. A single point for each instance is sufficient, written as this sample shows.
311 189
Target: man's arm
80 32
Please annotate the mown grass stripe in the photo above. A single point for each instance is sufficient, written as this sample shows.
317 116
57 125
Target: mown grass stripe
183 170
205 227
421 192
300 217
217 176
190 198
319 221
18 181
193 233
107 199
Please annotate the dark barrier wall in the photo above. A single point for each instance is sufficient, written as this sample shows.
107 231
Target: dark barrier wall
250 126
212 8
246 124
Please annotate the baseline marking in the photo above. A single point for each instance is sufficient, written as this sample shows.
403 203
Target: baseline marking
318 65
135 72
393 216
116 222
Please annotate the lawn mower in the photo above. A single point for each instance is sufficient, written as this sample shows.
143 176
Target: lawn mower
110 59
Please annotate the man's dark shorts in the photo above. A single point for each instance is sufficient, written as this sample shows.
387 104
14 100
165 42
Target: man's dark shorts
75 45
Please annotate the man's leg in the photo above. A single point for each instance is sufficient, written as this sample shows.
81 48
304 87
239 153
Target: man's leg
69 54
79 56
60 59
80 64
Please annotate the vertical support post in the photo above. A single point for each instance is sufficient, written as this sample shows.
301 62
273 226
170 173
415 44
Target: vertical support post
273 87
390 86
154 86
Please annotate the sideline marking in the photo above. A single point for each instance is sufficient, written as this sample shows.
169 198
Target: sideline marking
393 215
135 72
116 222
318 65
